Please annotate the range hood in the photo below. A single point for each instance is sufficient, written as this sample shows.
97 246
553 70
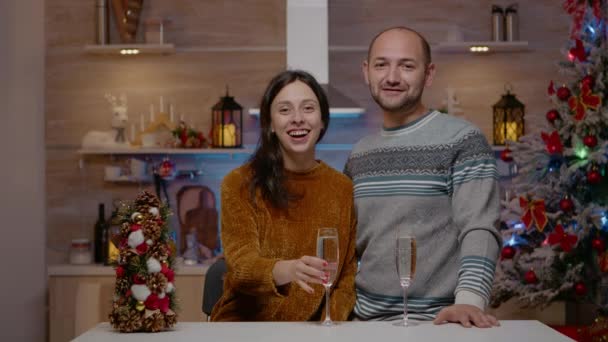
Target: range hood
308 49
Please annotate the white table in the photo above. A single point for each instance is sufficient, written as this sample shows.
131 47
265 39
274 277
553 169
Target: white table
509 331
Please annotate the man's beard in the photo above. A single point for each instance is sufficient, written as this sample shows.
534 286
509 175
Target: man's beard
404 105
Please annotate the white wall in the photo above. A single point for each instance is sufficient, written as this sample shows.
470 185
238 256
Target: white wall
22 191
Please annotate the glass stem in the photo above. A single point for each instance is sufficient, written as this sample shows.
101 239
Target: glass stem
327 315
405 305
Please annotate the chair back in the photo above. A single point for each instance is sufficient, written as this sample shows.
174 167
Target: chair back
214 285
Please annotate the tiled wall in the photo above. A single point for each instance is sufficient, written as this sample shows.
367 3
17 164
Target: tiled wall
241 43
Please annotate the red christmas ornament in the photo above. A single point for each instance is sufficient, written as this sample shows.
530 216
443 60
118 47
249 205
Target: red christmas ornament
580 288
139 280
588 81
598 244
505 155
120 272
167 272
142 248
552 115
163 304
531 277
152 302
590 141
563 93
508 252
566 204
594 177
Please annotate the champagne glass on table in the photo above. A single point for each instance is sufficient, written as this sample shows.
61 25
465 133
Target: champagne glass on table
405 258
327 249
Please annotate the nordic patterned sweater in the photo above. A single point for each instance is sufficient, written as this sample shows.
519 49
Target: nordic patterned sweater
435 178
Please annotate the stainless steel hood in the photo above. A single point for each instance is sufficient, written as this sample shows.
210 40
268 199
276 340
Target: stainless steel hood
307 49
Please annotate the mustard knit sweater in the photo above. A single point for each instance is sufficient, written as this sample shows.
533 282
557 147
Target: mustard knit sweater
256 237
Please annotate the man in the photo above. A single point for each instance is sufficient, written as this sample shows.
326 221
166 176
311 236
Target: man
428 174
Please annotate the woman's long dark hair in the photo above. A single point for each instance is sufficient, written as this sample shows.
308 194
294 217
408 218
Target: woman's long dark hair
267 160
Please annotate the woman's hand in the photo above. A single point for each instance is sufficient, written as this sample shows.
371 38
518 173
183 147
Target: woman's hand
307 269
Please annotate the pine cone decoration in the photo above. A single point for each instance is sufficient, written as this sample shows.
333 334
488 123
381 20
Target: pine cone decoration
126 256
157 282
126 320
152 230
145 201
158 251
122 286
170 319
154 322
125 229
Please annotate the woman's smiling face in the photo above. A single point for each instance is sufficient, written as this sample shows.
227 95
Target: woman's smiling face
296 121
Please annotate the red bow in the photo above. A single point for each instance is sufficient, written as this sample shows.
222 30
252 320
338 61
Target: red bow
578 52
577 9
534 211
554 144
566 241
585 100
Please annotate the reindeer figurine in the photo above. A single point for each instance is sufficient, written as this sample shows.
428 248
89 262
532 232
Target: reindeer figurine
115 138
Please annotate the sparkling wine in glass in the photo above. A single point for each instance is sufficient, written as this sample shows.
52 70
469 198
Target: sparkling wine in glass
327 249
405 259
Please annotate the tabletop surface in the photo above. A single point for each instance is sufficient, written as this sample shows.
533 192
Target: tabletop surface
509 331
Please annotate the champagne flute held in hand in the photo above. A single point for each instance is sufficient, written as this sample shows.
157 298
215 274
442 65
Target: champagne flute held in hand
327 249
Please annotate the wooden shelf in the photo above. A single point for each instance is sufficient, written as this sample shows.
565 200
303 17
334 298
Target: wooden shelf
120 49
173 151
465 47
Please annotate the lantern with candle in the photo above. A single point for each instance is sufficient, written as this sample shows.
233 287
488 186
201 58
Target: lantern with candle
508 118
227 123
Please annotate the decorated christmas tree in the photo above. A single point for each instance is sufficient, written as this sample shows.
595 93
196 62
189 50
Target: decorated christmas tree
555 214
144 295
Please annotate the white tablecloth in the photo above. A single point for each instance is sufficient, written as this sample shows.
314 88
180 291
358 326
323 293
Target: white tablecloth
509 331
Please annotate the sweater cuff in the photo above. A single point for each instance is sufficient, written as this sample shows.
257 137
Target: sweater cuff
470 298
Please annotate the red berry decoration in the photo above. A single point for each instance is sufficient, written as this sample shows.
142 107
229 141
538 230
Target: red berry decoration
552 115
566 204
505 155
598 244
590 141
580 288
508 252
594 177
531 277
588 81
563 93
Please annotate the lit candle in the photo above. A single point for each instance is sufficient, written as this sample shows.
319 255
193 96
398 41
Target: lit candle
141 128
151 113
162 105
171 113
226 136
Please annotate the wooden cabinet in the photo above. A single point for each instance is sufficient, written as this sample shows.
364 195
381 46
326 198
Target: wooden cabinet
81 296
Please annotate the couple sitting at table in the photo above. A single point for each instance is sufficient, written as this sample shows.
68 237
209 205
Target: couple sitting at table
430 174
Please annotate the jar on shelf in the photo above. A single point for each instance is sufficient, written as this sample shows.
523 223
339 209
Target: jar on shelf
81 252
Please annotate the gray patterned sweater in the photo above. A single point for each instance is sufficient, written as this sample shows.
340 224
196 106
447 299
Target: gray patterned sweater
435 178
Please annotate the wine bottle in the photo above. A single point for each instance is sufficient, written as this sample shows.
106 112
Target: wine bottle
100 235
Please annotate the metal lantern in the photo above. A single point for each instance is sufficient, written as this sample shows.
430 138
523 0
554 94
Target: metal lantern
508 118
227 123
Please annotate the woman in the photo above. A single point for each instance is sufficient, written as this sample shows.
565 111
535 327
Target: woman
272 208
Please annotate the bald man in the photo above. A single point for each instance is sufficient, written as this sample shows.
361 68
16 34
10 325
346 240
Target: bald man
429 175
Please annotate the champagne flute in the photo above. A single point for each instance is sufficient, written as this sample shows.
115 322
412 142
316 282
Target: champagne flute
327 249
405 259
